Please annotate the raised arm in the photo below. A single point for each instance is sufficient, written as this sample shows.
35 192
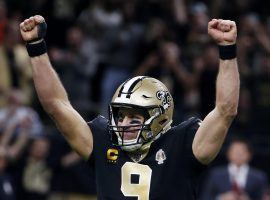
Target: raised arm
50 90
213 129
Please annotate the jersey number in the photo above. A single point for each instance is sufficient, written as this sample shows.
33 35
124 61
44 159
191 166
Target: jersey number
140 189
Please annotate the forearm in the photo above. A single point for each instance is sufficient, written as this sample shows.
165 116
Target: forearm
227 89
213 130
48 86
54 100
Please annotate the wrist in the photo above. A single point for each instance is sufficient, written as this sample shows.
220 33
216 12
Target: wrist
227 52
36 48
35 41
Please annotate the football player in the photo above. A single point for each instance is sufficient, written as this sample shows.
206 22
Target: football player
136 152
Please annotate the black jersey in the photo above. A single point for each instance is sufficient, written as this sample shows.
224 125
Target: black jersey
168 172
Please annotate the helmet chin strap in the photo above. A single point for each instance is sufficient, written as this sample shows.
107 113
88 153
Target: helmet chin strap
166 127
131 148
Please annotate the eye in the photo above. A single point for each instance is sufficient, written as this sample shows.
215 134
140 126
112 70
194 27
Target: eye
135 121
120 117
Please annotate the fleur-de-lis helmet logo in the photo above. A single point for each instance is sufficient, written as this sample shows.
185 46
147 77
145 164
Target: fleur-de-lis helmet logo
165 97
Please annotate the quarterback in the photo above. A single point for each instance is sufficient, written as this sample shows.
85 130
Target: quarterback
137 153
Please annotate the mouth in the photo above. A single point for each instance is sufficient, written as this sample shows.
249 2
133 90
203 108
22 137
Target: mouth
130 135
129 132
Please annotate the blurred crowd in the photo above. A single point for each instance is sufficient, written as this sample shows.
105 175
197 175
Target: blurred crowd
95 45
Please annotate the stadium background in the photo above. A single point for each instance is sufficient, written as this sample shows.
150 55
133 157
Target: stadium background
95 45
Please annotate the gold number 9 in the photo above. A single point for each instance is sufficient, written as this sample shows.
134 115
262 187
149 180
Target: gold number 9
140 189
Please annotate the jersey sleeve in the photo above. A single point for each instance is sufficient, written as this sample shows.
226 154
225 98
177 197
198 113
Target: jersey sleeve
190 128
98 128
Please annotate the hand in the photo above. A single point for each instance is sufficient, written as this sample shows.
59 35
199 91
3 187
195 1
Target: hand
224 32
30 30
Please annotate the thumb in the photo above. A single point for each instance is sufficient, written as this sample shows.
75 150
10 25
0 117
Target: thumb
41 26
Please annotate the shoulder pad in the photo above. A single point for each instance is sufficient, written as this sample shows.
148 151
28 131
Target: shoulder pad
98 121
190 122
98 118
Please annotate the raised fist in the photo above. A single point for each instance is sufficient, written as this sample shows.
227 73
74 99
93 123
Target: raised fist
33 28
224 32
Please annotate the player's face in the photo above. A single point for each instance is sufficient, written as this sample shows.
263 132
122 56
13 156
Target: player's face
130 122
